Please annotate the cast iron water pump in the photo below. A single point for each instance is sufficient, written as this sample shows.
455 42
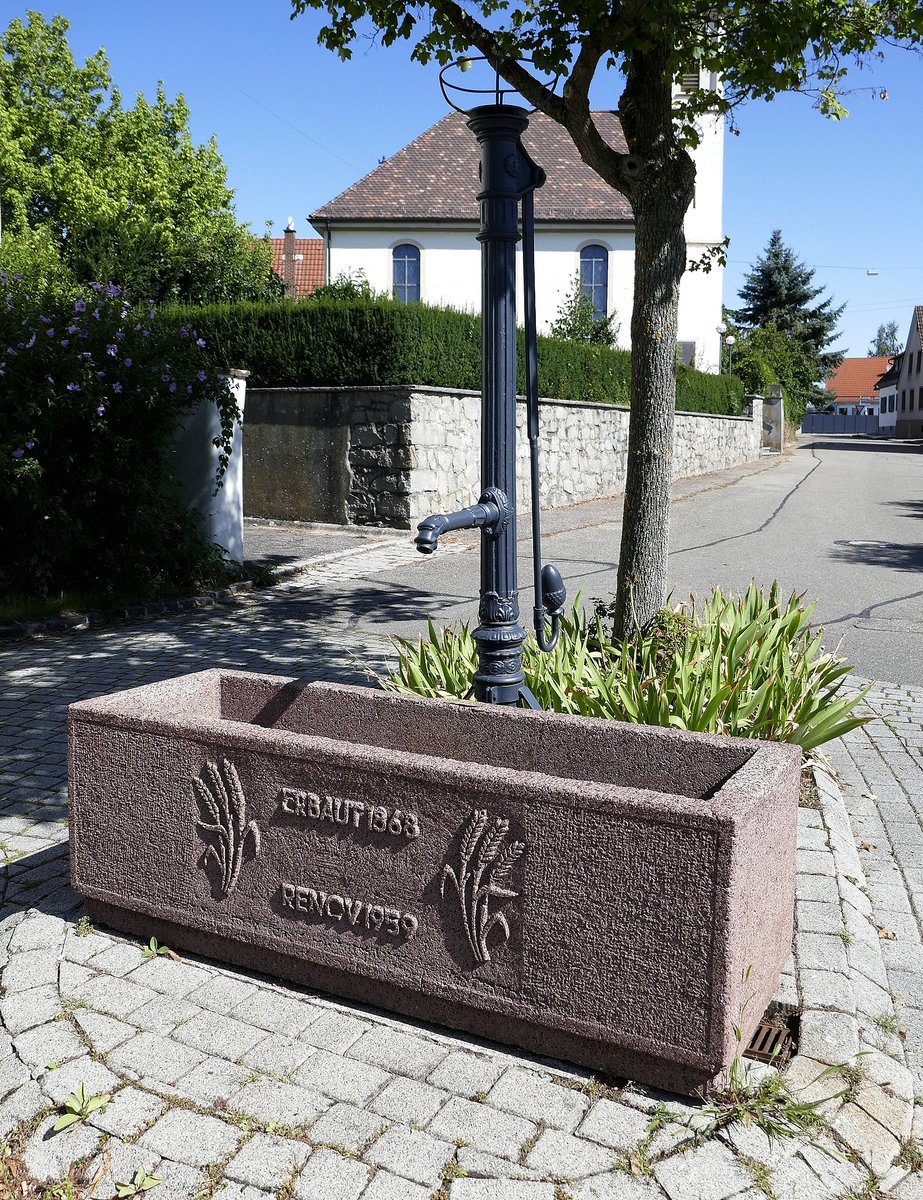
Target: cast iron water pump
508 178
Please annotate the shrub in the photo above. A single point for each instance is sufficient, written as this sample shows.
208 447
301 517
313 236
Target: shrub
91 396
747 667
342 342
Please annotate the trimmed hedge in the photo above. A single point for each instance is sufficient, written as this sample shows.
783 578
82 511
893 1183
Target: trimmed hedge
335 343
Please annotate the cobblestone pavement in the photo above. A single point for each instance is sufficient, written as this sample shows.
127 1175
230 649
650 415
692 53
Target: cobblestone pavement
228 1084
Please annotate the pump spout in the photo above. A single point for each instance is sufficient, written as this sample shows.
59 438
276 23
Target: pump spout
490 512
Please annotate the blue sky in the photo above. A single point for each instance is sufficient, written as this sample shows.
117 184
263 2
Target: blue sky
296 126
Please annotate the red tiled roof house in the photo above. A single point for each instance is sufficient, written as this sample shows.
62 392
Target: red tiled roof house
853 386
299 262
410 227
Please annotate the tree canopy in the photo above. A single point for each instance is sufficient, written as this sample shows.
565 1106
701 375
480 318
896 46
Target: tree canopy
886 341
743 49
96 191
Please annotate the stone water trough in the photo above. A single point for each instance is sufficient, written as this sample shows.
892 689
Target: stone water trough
619 896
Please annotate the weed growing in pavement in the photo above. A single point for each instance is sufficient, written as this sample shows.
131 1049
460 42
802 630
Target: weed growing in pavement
889 1023
767 1104
83 928
911 1156
759 1173
154 950
450 1172
526 1148
140 1183
78 1106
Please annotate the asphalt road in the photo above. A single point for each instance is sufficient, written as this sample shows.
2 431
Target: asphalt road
838 519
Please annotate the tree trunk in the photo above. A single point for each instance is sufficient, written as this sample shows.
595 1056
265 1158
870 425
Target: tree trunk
660 197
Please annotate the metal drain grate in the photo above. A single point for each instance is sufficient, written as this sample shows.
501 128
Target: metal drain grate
772 1041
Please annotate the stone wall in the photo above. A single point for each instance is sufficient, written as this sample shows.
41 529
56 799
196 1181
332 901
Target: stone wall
391 456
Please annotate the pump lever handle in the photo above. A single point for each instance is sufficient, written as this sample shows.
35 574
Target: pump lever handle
549 603
554 593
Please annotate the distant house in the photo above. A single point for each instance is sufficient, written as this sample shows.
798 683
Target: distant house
853 386
299 262
410 226
887 396
908 385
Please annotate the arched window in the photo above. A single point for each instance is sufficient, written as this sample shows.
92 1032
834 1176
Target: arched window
594 278
405 272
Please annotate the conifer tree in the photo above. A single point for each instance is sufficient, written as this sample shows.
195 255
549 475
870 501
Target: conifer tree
779 292
886 341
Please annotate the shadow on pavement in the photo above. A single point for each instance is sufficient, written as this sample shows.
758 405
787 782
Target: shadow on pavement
894 556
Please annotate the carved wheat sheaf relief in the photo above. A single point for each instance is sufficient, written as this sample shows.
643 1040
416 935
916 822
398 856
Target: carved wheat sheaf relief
485 862
224 808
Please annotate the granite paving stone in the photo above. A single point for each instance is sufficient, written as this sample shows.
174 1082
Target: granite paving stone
26 1102
538 1098
48 1155
706 1172
25 1010
267 1161
129 1111
241 1191
507 1189
399 1053
335 1031
55 1042
178 1181
347 1127
615 1125
411 1153
409 1100
385 1186
483 1127
104 1032
151 1056
793 1179
216 1034
190 1138
273 1012
96 1078
213 1080
480 1165
465 1074
162 974
277 1055
329 1176
119 1163
118 959
877 1145
30 969
281 1103
221 993
622 1187
13 1073
339 1077
163 1014
117 997
564 1156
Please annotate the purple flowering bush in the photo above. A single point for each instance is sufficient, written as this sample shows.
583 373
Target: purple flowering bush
90 393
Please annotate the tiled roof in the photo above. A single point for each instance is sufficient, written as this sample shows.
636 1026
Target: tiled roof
435 178
309 263
858 377
918 320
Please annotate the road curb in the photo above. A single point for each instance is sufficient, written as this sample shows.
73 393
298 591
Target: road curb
850 1056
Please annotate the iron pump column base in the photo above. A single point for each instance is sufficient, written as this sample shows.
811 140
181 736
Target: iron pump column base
508 176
